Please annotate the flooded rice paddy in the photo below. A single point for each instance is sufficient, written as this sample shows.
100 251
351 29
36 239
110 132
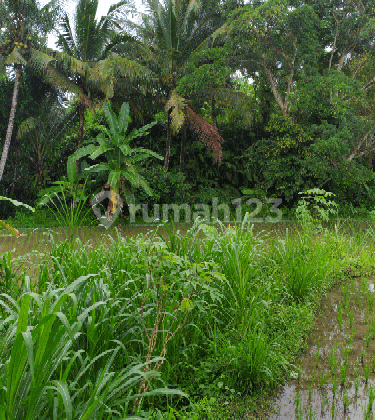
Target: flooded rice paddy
335 377
32 240
36 240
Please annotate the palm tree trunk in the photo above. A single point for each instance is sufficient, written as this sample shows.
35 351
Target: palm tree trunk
182 152
168 145
213 113
14 174
12 115
80 131
81 122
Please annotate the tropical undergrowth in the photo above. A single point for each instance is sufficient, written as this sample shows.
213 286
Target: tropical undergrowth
163 328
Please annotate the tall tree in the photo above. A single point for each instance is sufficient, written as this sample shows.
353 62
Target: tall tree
42 130
320 71
171 32
23 23
276 43
88 65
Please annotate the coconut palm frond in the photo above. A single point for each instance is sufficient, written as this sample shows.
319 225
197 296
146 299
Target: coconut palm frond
51 121
118 14
55 78
69 63
124 6
194 6
58 122
232 98
15 57
66 39
116 40
38 60
89 38
115 67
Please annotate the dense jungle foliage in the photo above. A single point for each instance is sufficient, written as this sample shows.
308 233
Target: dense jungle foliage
272 97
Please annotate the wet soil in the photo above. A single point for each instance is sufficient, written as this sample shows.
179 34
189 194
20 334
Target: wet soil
335 377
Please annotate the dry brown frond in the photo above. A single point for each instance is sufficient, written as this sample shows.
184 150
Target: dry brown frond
207 133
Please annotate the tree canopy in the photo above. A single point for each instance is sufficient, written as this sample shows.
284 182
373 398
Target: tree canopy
275 96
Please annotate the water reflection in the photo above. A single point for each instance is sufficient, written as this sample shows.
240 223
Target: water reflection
336 374
325 403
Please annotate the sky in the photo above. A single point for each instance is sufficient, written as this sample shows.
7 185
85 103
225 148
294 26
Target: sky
102 10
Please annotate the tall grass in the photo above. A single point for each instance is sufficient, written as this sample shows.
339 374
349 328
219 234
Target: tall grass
104 332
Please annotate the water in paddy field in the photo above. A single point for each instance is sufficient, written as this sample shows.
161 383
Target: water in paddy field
325 403
37 239
335 377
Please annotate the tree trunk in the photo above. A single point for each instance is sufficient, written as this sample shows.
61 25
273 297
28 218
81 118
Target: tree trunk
11 120
168 145
14 174
182 152
213 113
81 122
276 94
80 130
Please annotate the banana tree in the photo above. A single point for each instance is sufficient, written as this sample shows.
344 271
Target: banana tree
121 158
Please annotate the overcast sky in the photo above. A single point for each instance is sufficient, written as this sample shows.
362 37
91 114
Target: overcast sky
102 10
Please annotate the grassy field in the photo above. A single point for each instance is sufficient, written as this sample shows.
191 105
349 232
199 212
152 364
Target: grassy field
202 322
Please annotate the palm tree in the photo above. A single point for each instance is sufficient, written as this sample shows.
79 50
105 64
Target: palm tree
22 25
88 65
48 123
171 32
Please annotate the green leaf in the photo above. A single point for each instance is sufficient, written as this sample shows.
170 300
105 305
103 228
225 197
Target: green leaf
99 151
84 151
98 168
132 178
71 169
30 351
102 140
17 364
114 177
23 316
186 304
15 57
124 117
143 131
17 203
148 152
62 389
126 149
112 120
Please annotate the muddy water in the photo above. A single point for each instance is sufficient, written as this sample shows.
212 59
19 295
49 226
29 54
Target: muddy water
335 377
